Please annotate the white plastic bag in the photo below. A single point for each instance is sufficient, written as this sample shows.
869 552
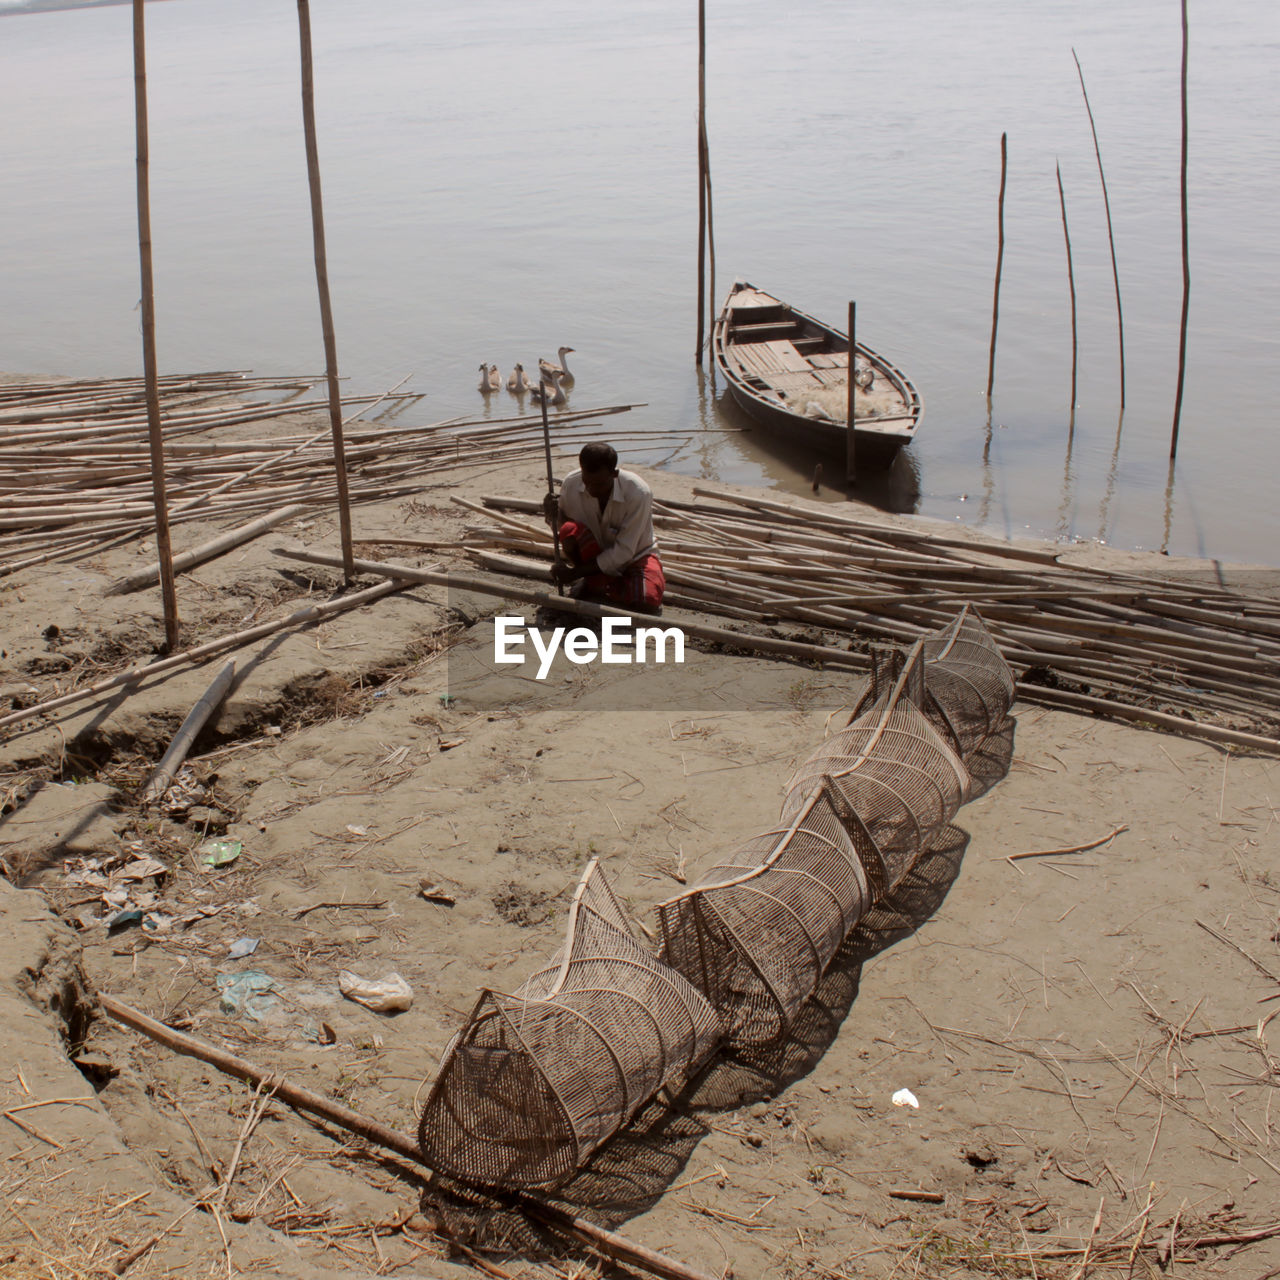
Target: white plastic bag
390 995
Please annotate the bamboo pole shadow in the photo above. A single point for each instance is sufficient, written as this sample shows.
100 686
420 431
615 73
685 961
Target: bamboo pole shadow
631 1172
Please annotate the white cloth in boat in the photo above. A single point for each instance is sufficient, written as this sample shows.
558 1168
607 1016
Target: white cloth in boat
624 529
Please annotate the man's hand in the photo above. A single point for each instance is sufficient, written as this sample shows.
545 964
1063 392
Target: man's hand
563 573
551 510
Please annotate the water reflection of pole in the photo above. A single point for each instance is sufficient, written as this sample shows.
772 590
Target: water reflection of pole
995 304
322 287
1168 508
988 477
1109 492
164 548
1106 202
1186 261
1065 523
1071 285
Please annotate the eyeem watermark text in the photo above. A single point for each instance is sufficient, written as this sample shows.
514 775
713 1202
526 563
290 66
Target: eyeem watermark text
618 642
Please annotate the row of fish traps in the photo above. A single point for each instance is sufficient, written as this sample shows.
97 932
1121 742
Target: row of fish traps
538 1079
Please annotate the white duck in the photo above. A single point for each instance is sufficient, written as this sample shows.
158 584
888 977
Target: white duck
518 384
495 378
486 386
547 367
556 394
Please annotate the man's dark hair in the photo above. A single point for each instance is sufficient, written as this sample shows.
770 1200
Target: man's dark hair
598 456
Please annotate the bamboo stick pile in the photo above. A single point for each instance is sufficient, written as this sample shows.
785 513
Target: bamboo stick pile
75 462
1171 647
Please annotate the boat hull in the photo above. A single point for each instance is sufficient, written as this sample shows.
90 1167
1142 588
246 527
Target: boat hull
786 369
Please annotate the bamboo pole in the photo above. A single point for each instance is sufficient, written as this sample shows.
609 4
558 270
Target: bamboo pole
1186 257
1111 239
1065 699
702 179
180 747
164 548
610 1243
207 550
995 303
711 227
322 284
850 434
1071 286
511 591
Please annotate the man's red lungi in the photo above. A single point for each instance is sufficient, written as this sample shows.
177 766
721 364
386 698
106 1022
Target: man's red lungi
639 586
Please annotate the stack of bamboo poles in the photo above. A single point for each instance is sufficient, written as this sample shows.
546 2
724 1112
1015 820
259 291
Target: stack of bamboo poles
75 462
1143 647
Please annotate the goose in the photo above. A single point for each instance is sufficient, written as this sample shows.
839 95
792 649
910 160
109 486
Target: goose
518 384
495 378
563 367
486 385
556 396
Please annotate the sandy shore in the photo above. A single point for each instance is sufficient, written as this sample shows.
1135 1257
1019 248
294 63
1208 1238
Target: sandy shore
1086 1034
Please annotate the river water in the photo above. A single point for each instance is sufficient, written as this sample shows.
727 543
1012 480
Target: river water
502 178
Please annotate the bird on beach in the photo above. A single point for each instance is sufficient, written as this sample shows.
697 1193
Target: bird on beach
547 367
555 392
518 384
486 386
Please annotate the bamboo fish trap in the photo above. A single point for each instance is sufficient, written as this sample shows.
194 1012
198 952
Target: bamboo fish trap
756 934
968 687
538 1079
759 930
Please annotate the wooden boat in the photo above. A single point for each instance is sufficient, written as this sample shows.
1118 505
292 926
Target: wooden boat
790 373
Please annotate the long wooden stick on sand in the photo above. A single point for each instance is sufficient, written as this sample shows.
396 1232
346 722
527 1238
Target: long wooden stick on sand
609 1243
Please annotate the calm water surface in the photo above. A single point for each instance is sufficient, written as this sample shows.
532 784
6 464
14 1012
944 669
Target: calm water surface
501 178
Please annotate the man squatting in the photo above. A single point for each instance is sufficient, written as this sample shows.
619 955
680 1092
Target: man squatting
608 552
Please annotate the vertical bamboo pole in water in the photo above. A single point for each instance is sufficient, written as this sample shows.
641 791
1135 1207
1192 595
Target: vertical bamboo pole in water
711 231
850 447
322 285
1106 204
164 548
995 304
1186 259
702 176
1071 285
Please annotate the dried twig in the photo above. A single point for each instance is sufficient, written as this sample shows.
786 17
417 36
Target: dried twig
1075 848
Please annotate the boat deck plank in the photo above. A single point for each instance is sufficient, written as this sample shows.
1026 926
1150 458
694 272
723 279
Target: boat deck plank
794 381
768 358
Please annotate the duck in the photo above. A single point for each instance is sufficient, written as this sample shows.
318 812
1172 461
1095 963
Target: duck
518 384
563 367
486 386
555 377
495 378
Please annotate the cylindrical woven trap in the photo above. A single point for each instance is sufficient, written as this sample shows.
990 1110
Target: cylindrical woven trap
538 1079
895 773
967 685
759 929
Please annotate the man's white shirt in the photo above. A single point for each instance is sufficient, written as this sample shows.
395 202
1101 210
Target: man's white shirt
624 529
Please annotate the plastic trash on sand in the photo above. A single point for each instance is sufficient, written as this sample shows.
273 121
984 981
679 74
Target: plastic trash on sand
219 853
905 1098
249 993
390 995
